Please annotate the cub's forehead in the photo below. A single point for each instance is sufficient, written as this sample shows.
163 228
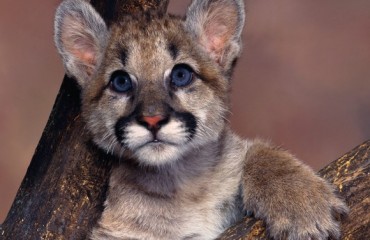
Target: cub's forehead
148 32
151 43
147 24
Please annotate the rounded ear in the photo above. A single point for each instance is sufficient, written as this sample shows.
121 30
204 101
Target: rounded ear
81 36
217 25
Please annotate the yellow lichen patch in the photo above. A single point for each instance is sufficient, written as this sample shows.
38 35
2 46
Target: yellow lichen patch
348 237
258 229
347 165
50 235
342 180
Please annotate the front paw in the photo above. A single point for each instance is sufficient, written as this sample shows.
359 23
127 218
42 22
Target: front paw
294 202
312 216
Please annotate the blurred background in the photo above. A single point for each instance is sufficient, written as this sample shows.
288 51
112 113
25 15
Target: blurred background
303 80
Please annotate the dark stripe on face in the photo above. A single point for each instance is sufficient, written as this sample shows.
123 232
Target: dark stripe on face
189 120
123 56
121 124
174 51
119 129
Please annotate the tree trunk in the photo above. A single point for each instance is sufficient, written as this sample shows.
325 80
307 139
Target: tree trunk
62 194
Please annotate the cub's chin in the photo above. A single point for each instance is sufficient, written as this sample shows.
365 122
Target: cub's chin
158 153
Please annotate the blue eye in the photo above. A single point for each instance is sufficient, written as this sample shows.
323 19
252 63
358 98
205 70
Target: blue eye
181 75
120 82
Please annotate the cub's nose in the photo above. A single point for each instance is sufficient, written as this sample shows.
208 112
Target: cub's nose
153 122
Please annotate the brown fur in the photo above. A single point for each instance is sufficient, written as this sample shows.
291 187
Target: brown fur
186 176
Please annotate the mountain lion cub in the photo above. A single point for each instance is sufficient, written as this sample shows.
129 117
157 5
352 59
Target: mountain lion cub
155 94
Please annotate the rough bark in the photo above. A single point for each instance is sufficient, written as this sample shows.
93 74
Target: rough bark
62 194
351 175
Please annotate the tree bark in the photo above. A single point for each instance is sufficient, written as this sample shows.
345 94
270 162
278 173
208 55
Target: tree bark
62 194
64 187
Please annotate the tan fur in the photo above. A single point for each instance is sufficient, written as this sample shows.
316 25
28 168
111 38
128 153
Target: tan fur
186 176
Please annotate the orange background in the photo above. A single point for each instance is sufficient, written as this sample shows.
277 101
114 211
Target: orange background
303 80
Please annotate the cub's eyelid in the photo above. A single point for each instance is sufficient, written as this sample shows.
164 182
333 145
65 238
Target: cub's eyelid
133 78
194 68
196 74
134 82
193 65
109 76
167 73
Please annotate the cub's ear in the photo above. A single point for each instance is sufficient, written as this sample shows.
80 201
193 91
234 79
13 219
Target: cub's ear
217 25
81 37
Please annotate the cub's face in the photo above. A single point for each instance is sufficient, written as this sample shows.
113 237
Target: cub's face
155 94
153 88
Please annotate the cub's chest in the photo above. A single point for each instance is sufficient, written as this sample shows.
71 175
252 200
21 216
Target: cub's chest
138 214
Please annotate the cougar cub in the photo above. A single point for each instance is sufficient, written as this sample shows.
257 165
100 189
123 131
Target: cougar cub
155 93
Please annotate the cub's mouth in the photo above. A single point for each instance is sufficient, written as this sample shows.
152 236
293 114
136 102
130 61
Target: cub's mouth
157 139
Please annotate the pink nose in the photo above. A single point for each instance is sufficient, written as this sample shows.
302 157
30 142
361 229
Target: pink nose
153 121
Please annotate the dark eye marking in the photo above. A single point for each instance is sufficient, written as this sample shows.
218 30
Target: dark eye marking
121 124
181 75
123 56
189 120
119 129
174 51
120 82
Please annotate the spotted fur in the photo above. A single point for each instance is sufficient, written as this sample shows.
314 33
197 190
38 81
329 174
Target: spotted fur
183 174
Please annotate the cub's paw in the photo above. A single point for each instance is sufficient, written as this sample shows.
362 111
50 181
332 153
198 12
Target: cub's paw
314 217
294 202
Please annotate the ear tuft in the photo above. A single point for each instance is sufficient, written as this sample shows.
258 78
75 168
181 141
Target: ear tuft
217 25
81 37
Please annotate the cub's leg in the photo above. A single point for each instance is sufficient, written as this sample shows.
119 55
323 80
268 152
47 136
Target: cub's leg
295 203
